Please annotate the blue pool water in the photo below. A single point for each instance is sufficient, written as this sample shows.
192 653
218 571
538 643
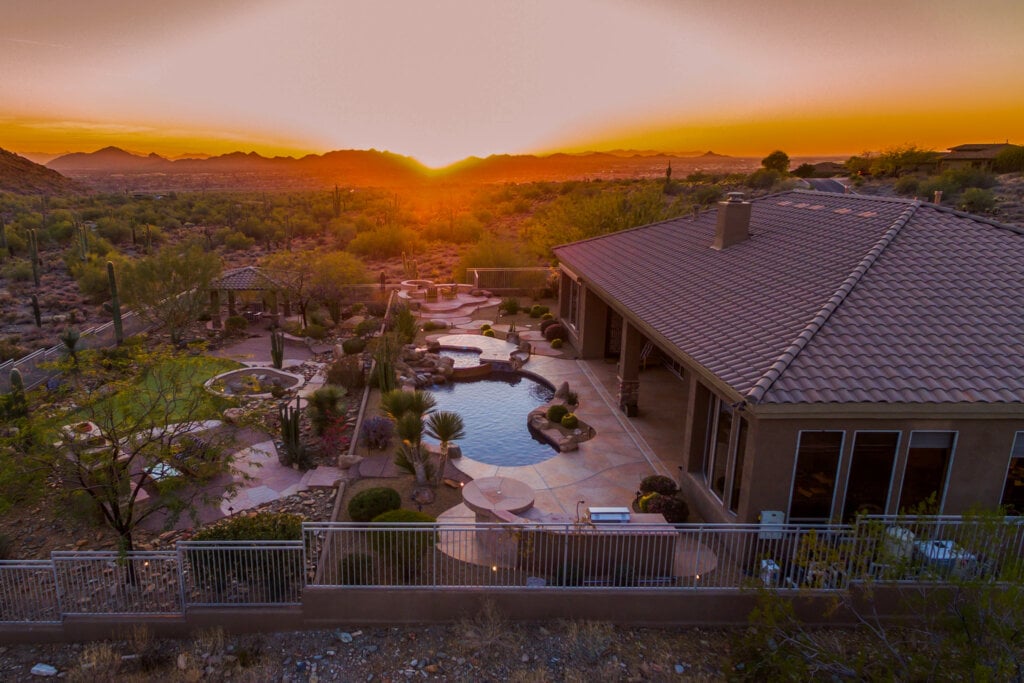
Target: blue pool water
494 411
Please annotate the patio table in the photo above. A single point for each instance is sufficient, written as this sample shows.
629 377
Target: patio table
488 495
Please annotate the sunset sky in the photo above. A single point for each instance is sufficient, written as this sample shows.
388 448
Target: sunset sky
443 79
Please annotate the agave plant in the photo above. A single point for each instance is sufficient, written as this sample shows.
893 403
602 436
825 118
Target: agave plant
445 426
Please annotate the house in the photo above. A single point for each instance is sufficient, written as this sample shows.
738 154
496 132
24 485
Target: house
834 353
972 156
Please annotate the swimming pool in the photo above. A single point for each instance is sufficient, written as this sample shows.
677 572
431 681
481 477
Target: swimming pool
494 410
464 358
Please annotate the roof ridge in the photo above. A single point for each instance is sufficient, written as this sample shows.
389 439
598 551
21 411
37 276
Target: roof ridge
857 195
789 354
974 217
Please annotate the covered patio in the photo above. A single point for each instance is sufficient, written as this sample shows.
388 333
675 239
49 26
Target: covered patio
271 289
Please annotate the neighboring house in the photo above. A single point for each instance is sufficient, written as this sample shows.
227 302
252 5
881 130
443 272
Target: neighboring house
835 353
972 156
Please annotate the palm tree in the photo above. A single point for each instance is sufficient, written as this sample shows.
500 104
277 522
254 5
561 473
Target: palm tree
445 426
397 402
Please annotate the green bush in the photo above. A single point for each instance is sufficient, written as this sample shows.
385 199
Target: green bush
547 316
674 508
537 310
488 333
235 326
18 271
347 372
907 185
401 548
353 345
368 327
262 526
430 326
485 327
369 504
557 412
553 332
326 405
315 331
509 305
570 421
658 483
545 324
977 200
1010 160
356 569
556 343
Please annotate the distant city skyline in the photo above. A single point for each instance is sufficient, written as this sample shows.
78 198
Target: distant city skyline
448 79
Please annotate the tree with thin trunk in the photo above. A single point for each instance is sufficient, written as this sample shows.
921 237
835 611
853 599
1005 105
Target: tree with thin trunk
407 409
445 426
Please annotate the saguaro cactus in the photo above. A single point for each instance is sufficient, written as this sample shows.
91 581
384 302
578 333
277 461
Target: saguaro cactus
290 435
36 313
277 348
33 254
18 403
115 304
337 202
83 243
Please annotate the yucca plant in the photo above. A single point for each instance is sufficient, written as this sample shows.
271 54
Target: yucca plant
326 404
445 426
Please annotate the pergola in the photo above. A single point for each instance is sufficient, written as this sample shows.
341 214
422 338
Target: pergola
246 279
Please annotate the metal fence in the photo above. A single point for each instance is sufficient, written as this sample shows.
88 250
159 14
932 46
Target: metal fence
33 366
510 556
511 278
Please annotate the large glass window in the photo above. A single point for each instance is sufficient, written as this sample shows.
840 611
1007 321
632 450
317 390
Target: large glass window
814 480
867 490
720 444
924 478
1013 492
572 316
737 466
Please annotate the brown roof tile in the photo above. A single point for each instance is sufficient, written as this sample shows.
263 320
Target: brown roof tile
890 301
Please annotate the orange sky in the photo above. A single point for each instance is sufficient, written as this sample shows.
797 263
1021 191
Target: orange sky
444 79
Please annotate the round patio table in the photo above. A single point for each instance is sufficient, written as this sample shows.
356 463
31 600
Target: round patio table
490 494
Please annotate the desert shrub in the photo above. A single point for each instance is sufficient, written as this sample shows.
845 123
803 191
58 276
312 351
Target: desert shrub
6 547
377 432
509 305
537 310
977 200
9 349
658 483
262 526
356 569
556 331
488 333
368 504
382 243
269 575
353 345
928 187
570 421
368 327
547 316
545 324
236 241
1010 160
375 309
556 343
235 326
485 327
347 372
431 325
907 185
326 405
557 412
970 177
402 548
315 331
18 271
763 179
404 324
674 508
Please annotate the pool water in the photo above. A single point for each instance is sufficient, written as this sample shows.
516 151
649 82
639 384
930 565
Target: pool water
494 411
464 358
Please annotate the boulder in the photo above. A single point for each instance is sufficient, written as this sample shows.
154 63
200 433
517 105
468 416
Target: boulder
562 391
433 346
347 461
454 451
233 415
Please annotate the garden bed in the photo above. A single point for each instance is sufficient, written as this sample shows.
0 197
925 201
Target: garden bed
254 383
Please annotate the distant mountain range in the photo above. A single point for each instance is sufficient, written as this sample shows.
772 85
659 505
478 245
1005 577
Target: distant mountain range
113 168
18 175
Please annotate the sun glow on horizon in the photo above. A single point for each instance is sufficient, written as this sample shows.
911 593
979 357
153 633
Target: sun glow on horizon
450 79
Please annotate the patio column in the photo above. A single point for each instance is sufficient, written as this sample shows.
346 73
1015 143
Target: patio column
629 369
215 308
231 303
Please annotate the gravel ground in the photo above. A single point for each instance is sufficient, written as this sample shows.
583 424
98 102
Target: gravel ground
486 648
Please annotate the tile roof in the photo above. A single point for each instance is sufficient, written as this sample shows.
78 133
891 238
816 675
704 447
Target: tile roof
248 278
833 299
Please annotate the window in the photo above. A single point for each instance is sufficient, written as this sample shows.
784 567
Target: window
720 447
1013 492
871 465
572 316
927 470
814 478
737 466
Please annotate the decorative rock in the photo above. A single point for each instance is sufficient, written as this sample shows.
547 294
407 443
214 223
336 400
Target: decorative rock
347 461
182 661
345 637
44 670
233 415
562 391
454 451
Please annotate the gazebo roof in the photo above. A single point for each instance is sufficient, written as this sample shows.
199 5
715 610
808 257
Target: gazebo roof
249 278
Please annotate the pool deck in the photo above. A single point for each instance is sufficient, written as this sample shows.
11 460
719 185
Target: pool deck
605 471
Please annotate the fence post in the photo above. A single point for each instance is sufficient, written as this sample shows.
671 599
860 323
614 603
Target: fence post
181 577
56 589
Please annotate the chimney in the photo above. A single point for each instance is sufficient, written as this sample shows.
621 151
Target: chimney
733 222
937 197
